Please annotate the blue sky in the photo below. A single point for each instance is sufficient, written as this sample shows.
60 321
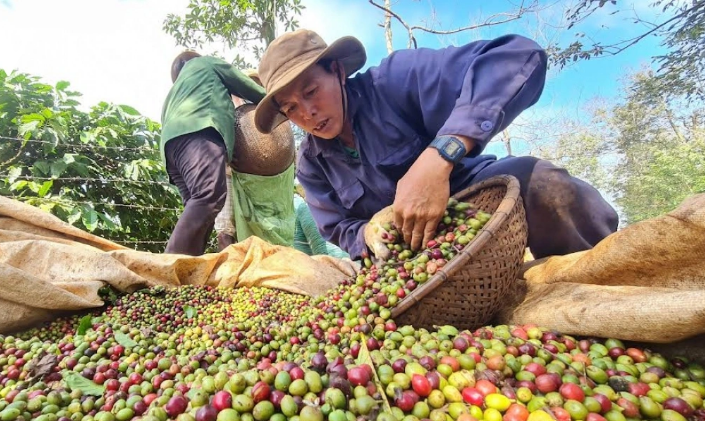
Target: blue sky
567 90
596 77
115 50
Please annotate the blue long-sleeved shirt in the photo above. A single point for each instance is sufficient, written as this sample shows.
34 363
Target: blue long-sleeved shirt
398 108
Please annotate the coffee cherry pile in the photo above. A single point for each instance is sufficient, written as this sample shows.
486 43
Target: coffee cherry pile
460 223
254 354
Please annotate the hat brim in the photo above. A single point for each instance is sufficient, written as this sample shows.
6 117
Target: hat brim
252 74
349 51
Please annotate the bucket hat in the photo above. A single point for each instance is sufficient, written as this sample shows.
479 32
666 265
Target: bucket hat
289 56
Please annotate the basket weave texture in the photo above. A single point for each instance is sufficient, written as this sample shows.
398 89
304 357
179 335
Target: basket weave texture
257 153
468 290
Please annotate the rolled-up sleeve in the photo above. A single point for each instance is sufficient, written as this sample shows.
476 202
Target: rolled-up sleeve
475 90
334 222
237 82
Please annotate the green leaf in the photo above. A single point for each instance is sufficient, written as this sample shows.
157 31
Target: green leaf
18 185
28 127
84 325
81 169
89 217
74 216
124 340
47 207
75 381
42 167
363 357
45 188
189 311
34 117
131 171
109 224
62 85
34 186
154 291
87 137
107 294
129 110
14 173
58 168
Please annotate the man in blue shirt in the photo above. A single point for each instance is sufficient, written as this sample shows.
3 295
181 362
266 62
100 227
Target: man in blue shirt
409 133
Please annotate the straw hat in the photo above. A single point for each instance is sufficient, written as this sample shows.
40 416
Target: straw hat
252 74
289 56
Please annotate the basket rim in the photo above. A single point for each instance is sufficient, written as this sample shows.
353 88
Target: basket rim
498 218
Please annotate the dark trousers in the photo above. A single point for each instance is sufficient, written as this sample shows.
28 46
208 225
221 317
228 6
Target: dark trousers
564 214
196 165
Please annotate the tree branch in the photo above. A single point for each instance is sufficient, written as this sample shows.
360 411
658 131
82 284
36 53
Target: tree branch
512 16
488 22
397 17
617 48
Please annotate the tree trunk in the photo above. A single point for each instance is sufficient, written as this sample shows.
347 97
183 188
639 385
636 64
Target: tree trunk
388 27
507 140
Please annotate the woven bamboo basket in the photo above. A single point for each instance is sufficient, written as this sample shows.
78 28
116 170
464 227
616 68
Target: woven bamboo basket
468 290
257 153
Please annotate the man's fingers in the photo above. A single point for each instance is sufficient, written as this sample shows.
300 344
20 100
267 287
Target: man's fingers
429 232
398 219
406 227
408 234
417 235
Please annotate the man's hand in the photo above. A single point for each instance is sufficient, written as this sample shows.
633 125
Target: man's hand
422 195
421 198
377 233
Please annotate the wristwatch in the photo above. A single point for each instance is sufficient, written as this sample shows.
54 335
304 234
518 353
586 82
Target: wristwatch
450 148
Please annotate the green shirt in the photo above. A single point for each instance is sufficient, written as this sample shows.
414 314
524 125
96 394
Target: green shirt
200 98
307 239
352 152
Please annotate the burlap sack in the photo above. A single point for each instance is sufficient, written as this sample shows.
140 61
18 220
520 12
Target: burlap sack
48 266
644 283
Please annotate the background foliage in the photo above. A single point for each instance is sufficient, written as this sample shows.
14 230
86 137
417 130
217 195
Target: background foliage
100 169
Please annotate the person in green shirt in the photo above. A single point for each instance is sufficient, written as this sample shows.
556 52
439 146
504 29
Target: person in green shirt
307 238
198 135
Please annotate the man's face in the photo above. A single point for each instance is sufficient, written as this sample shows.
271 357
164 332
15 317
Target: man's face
313 102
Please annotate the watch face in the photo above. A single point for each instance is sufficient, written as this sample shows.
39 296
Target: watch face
452 148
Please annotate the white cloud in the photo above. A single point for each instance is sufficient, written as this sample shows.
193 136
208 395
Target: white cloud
116 50
334 19
110 50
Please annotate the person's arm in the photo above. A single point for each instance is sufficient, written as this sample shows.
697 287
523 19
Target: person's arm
471 92
335 223
308 225
474 91
238 83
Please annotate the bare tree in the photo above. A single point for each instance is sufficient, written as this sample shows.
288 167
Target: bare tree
522 8
543 22
388 26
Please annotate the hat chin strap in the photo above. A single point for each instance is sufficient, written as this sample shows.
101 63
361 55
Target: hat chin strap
343 96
